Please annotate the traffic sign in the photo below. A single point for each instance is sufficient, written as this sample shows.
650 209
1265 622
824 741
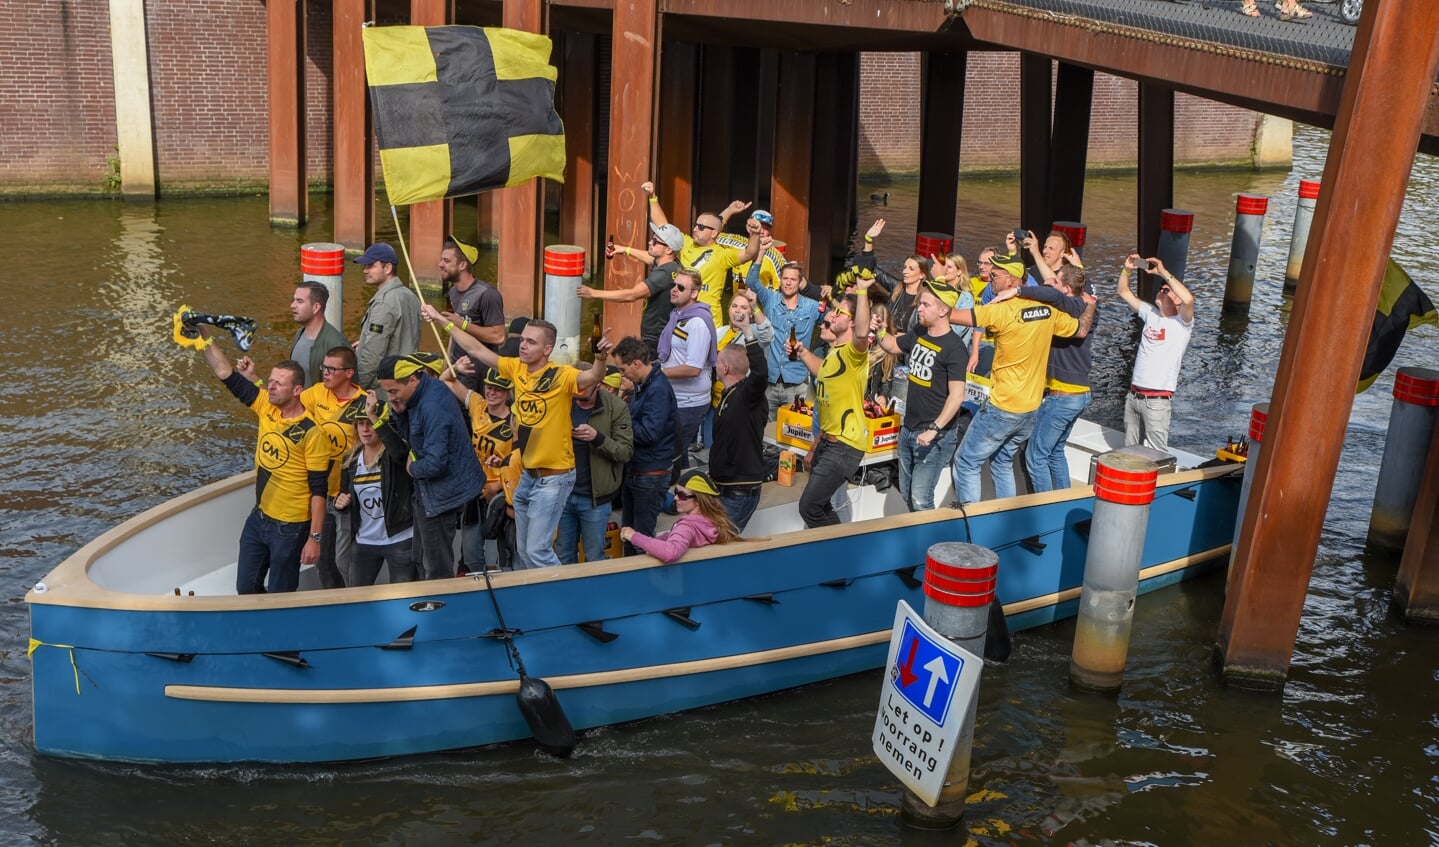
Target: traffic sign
929 688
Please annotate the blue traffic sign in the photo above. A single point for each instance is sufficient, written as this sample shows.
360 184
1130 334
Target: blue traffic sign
925 673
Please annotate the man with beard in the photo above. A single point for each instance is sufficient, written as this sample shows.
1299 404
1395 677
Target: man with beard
476 307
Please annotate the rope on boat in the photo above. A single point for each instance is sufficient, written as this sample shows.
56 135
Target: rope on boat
35 644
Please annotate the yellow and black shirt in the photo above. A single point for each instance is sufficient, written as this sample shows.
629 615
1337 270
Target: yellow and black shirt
292 457
492 436
541 413
337 422
839 395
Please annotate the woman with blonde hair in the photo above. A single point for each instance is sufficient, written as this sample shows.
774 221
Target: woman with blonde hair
702 521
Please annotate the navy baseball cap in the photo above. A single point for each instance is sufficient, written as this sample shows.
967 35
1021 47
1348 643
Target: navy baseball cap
381 252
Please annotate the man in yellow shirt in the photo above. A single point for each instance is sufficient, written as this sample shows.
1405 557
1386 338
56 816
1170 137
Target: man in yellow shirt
702 253
1022 331
292 464
544 393
840 379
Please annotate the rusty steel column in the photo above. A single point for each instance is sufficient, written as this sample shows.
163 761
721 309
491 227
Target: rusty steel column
430 221
578 69
1381 115
634 57
1036 82
518 207
835 165
941 97
679 103
354 181
1156 171
1416 591
289 176
1069 141
794 139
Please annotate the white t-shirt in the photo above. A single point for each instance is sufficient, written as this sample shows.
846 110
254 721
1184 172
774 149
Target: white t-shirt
691 345
372 508
1161 349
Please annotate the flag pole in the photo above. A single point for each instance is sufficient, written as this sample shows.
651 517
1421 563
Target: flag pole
405 251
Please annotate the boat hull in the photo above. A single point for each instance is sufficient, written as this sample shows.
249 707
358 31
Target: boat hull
153 677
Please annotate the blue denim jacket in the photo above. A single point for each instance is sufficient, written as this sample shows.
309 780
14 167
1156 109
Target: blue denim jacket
804 317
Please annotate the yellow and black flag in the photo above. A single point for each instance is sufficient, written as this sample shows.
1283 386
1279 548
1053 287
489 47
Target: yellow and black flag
462 109
1402 306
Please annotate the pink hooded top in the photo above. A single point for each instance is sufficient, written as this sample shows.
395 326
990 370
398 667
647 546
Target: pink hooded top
694 530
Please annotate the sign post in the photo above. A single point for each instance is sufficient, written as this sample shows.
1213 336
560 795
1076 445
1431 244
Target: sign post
926 704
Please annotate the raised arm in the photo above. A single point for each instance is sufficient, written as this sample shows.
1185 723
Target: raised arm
731 210
633 294
467 342
1131 263
657 214
1031 243
595 373
1186 299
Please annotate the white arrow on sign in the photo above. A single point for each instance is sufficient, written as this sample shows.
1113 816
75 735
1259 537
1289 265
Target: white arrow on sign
936 673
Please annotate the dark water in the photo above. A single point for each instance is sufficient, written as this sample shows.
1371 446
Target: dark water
105 416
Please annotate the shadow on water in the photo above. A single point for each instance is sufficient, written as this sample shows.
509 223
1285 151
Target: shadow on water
111 418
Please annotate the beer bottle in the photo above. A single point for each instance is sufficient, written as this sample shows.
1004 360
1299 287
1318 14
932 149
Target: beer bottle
596 333
793 344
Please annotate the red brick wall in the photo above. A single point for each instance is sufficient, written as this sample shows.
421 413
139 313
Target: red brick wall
208 89
57 107
1205 132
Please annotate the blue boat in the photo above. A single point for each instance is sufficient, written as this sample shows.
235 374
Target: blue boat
129 665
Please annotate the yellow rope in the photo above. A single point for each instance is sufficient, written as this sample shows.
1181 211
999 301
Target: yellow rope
36 644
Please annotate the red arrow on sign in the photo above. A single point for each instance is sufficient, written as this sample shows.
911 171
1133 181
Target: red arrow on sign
907 676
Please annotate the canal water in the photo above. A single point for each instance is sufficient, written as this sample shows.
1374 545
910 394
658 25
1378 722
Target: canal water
105 416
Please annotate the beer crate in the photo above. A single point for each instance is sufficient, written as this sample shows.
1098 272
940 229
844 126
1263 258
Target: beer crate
794 429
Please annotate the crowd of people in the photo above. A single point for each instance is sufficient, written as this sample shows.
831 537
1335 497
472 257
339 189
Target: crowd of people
375 455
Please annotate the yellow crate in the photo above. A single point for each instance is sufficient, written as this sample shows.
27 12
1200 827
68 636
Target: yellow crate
883 433
797 430
794 429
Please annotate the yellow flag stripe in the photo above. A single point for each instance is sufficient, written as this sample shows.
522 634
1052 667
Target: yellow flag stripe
536 155
416 174
520 55
395 55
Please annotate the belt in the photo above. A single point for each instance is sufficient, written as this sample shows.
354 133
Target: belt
650 473
828 437
546 471
782 384
1069 393
1148 394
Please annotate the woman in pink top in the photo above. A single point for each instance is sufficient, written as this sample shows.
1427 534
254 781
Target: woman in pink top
702 521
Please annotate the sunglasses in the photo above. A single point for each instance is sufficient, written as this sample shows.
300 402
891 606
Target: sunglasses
654 241
683 495
702 226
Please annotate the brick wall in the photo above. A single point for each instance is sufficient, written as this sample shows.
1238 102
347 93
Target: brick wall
1205 132
57 106
208 89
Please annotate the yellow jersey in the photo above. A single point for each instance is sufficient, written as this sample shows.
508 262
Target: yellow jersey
713 263
839 395
337 422
541 413
491 436
1022 331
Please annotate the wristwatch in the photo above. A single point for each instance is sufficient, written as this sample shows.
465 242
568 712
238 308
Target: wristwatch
935 427
315 536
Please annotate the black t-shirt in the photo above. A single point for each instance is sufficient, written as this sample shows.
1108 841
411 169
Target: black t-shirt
932 362
578 417
482 304
658 307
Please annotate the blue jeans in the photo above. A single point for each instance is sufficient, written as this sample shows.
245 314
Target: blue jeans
1044 457
739 503
538 503
273 548
644 495
994 437
687 427
920 467
582 522
834 463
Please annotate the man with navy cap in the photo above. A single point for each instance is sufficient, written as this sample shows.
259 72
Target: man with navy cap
392 319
